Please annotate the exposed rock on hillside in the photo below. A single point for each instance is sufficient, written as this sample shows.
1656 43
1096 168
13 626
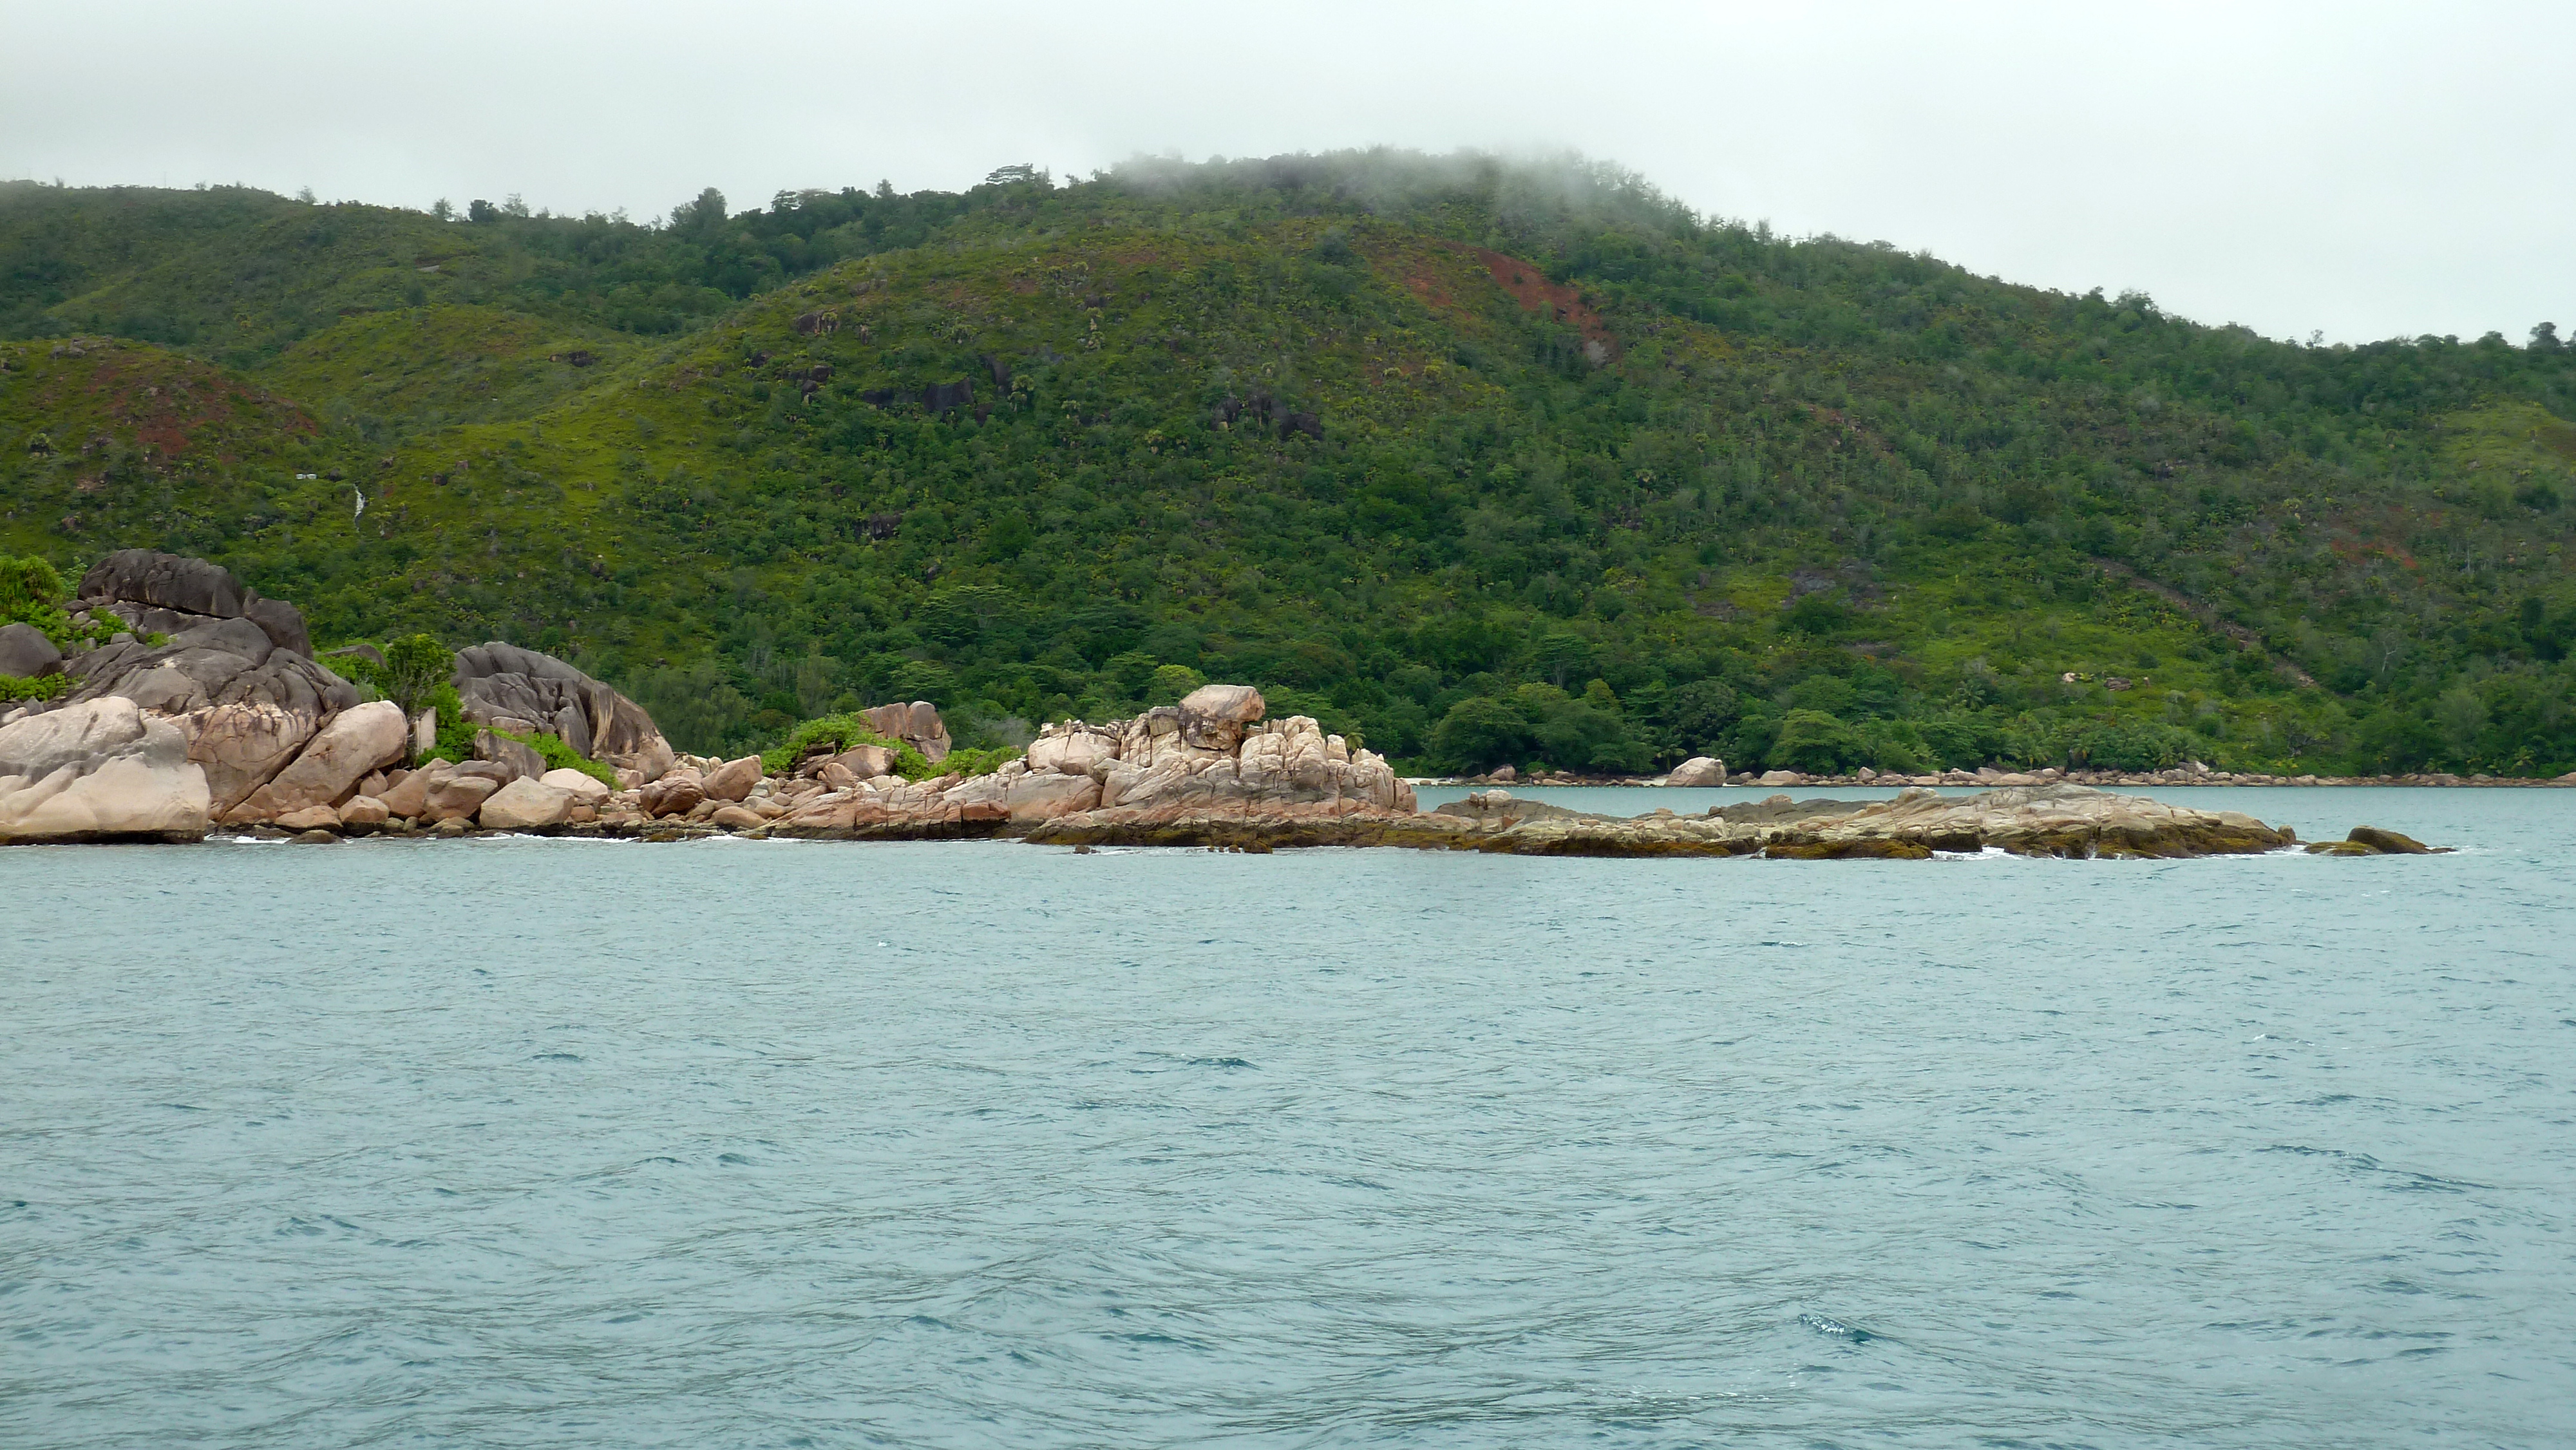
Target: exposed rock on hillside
170 594
227 645
26 654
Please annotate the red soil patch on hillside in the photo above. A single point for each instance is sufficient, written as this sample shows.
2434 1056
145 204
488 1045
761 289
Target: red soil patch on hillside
166 408
2354 550
1529 286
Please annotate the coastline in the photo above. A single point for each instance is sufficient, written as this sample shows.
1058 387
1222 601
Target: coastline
205 709
1989 779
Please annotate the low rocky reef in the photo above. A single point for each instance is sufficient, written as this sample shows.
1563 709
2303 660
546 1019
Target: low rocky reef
1708 771
2051 820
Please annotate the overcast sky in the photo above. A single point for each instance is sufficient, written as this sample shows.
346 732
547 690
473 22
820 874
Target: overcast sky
2358 169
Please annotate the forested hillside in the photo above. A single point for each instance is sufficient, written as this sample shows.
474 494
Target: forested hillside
1483 463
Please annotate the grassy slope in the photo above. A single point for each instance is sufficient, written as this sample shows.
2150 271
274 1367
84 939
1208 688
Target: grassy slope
1811 477
421 369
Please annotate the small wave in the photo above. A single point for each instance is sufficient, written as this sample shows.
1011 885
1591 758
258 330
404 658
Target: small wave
1218 1062
2407 1180
1827 1324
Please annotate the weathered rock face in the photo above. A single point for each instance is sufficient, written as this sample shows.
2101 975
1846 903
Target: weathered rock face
504 751
525 804
174 595
409 797
511 688
26 653
1044 795
676 793
1144 772
310 818
207 667
917 725
145 576
242 745
866 762
732 780
1698 770
1213 716
583 789
2372 841
358 740
99 770
1073 749
2058 820
456 796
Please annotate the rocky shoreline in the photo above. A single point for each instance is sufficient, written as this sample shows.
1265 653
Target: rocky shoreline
207 712
1714 773
2059 821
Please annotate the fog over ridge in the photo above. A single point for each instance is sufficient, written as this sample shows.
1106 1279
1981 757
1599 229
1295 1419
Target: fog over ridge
2364 171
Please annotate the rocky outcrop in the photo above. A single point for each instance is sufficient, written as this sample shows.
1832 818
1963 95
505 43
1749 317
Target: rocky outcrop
356 742
504 751
207 667
2056 820
100 770
2372 841
454 792
675 793
240 665
174 595
242 745
583 789
409 796
864 762
1698 770
26 654
525 804
917 725
504 687
732 780
1211 758
1213 717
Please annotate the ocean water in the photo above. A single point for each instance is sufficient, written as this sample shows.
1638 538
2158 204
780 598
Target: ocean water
528 1143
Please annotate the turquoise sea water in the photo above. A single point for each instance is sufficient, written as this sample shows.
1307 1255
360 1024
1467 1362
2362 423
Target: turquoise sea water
505 1143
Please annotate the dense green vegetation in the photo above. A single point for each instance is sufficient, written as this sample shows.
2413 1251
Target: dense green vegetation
1479 463
32 592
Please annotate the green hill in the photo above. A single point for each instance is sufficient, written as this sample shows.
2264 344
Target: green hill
1483 463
